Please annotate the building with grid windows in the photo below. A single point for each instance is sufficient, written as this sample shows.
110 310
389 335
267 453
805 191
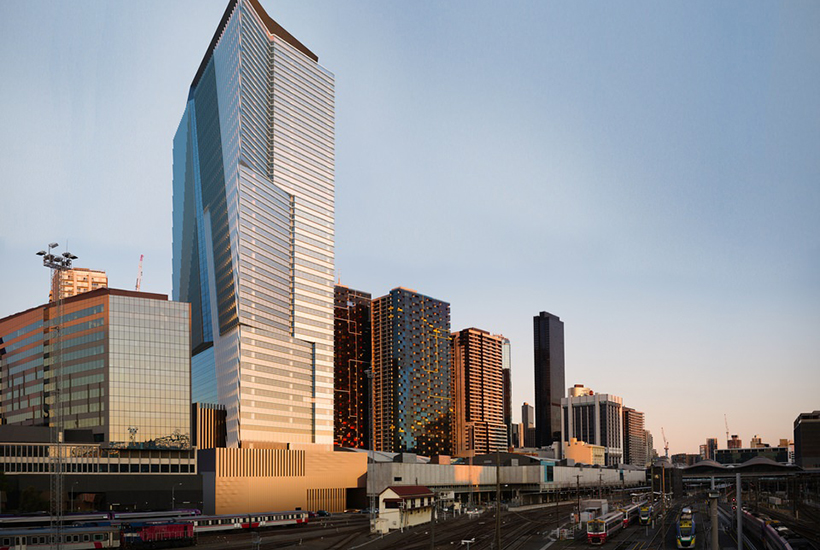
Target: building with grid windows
411 374
595 418
478 393
125 359
78 280
634 437
253 232
352 360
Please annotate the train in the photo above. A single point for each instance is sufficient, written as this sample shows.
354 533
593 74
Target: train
231 522
630 512
87 537
127 531
685 536
773 534
43 519
601 529
645 514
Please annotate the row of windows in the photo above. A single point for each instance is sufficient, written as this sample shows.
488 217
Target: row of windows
94 468
11 336
67 318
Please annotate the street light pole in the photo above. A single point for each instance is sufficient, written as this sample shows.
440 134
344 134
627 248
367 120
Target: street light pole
173 495
56 264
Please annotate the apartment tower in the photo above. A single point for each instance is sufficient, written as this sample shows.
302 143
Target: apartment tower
78 280
253 231
548 332
352 361
411 374
478 393
634 438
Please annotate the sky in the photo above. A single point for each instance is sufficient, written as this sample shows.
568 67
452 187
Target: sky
648 172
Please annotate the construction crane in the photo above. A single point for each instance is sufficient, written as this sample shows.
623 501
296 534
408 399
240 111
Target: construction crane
665 443
139 273
726 421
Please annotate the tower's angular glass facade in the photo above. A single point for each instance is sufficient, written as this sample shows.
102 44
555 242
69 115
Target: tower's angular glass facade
253 231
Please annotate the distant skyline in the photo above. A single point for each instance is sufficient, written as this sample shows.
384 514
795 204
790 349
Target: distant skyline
648 173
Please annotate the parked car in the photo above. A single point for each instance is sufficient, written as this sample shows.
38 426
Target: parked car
323 513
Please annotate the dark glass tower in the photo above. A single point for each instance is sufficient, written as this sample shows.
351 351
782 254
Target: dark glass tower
548 333
353 354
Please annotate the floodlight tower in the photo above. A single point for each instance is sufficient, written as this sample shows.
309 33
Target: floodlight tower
57 264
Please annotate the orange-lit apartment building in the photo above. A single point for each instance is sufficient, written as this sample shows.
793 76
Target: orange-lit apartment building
478 393
78 280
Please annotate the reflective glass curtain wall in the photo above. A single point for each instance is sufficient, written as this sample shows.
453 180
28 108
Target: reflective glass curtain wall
254 230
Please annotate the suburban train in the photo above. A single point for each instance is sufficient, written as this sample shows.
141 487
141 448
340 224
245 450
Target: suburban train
233 522
645 514
773 534
600 530
630 512
124 530
43 519
91 536
685 536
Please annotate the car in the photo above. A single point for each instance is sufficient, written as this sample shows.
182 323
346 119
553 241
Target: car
311 515
323 513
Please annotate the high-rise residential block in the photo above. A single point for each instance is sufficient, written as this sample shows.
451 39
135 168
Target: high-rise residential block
734 443
78 280
353 355
253 231
411 373
807 440
548 333
478 393
125 361
634 437
506 379
595 418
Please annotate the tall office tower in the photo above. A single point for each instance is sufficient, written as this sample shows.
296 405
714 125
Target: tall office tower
634 438
353 355
734 443
549 377
506 380
411 374
711 447
125 362
253 232
478 393
528 425
79 279
595 418
807 440
650 447
756 442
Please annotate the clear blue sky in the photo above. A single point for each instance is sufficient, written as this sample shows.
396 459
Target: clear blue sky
648 172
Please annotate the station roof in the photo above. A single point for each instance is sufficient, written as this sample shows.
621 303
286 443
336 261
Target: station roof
756 467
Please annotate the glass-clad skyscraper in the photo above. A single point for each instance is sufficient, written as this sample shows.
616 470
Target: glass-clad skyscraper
254 228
